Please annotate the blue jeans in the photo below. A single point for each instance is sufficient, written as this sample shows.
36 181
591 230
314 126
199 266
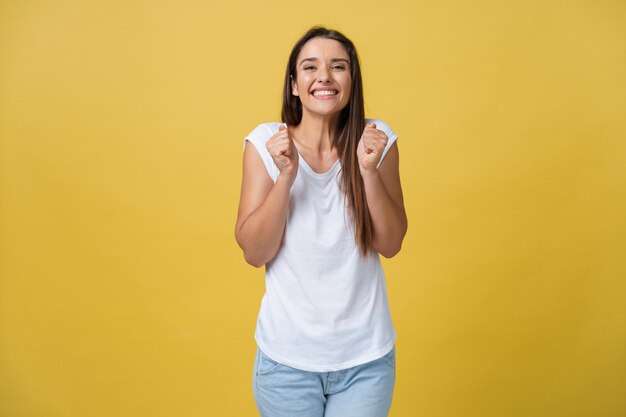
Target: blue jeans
361 391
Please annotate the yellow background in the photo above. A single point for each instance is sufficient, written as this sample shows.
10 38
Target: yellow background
124 293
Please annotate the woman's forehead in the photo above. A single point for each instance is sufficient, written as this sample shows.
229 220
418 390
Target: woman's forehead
322 48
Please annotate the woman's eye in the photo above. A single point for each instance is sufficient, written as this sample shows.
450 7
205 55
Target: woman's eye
339 67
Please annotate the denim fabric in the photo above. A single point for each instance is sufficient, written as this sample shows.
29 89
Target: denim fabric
361 391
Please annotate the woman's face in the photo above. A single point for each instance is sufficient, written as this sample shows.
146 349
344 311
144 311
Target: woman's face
323 65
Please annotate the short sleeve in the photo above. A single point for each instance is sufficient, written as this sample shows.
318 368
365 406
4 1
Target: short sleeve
259 137
381 125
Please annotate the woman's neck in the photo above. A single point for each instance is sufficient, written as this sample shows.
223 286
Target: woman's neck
316 133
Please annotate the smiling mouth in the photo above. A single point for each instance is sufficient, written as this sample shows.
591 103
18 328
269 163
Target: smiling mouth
324 93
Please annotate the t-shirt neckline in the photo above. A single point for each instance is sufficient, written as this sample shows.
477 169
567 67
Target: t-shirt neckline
312 171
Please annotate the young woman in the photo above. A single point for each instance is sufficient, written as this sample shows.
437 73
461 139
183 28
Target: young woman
320 200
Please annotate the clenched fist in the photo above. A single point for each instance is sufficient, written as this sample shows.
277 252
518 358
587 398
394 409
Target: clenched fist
370 147
284 153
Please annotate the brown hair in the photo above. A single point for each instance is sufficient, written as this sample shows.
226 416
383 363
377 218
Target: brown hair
349 130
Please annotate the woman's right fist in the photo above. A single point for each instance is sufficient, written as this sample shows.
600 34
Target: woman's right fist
284 153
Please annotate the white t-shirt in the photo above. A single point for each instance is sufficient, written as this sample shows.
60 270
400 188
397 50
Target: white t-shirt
325 307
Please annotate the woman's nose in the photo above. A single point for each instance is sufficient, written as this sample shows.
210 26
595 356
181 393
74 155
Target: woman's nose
324 75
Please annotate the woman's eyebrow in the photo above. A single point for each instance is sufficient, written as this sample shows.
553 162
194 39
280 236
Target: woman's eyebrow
332 60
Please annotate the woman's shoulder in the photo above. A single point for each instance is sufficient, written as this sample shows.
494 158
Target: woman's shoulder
263 132
259 137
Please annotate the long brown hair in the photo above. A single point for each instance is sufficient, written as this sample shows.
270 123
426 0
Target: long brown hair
349 130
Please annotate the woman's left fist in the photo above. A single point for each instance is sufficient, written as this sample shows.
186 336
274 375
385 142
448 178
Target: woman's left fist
370 147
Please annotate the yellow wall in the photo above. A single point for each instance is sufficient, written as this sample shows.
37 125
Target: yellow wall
124 293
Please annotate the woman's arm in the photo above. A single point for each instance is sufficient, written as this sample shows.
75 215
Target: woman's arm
262 210
384 199
263 203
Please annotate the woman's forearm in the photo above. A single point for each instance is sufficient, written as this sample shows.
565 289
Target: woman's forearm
261 233
388 219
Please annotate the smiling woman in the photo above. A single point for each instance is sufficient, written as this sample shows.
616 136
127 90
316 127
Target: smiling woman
320 200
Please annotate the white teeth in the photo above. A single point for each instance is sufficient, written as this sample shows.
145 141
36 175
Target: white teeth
324 93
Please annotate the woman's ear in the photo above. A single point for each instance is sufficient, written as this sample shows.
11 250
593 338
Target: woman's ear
294 87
